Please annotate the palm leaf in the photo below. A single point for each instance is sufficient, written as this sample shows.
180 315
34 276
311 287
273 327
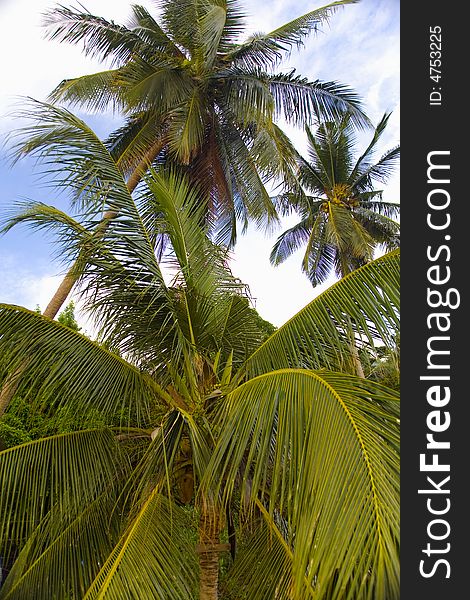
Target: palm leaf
62 473
68 368
300 101
100 38
71 156
151 559
322 448
319 335
93 92
268 49
68 559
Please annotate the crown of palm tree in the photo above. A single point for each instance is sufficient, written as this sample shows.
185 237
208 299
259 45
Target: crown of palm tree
345 218
194 94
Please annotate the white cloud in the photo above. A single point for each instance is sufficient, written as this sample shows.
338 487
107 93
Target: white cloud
22 286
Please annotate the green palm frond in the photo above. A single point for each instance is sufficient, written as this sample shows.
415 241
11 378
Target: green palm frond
322 448
388 209
136 138
263 567
266 50
319 258
67 367
158 85
186 130
331 153
66 554
381 171
251 200
276 158
151 559
70 235
62 473
381 227
290 241
99 38
94 92
319 335
144 25
301 101
366 156
71 155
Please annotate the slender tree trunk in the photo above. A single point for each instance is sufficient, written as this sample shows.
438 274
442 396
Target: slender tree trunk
208 549
11 383
357 362
10 386
209 578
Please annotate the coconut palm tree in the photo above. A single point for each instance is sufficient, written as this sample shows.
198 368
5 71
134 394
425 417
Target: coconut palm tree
193 93
224 432
345 218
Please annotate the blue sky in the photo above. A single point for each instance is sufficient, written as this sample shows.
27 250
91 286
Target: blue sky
359 47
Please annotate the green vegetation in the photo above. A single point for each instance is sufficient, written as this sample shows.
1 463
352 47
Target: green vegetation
193 450
216 419
346 219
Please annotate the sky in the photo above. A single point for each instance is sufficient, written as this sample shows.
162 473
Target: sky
359 47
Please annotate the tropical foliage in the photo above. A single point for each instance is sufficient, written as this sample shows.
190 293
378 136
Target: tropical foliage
193 450
271 441
192 93
344 219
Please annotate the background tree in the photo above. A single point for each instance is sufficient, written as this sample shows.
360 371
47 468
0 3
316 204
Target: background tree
213 417
67 317
345 219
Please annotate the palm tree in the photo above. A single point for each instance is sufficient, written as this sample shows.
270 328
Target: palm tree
223 432
345 218
193 93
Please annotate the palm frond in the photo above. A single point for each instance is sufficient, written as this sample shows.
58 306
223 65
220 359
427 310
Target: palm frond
289 242
366 156
380 171
266 50
388 209
70 154
381 227
322 448
146 27
151 559
62 473
67 554
95 92
65 367
319 256
319 336
100 38
263 566
159 85
70 235
135 139
300 101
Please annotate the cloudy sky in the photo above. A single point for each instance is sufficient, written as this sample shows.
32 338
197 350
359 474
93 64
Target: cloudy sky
359 47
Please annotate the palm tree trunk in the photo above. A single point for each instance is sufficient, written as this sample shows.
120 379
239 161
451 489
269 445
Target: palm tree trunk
208 549
209 577
10 386
11 383
357 362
